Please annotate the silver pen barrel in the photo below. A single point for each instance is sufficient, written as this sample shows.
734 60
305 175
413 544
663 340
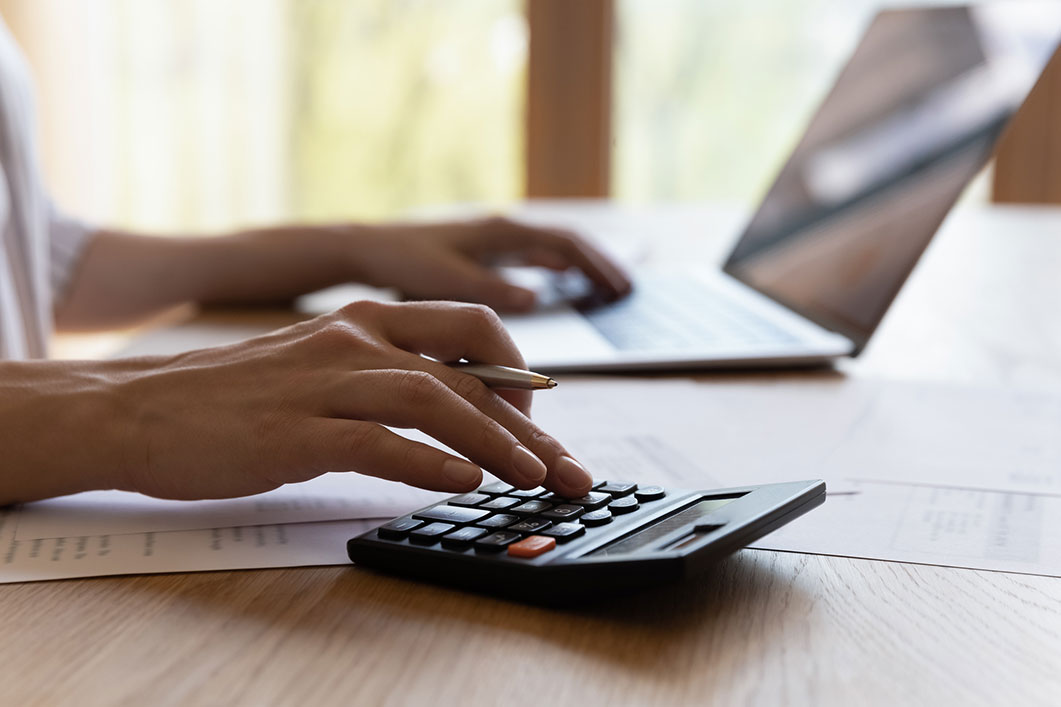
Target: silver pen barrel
505 377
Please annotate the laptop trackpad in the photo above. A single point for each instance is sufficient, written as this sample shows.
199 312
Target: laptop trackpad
557 337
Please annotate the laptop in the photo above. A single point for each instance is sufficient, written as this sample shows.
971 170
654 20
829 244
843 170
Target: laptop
914 115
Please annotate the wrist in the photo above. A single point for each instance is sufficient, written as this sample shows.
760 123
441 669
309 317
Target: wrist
63 428
348 246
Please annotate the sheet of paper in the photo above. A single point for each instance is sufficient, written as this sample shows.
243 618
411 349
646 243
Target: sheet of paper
703 435
936 525
762 429
326 498
956 436
260 546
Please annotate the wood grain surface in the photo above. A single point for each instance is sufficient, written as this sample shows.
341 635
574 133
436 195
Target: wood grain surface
764 628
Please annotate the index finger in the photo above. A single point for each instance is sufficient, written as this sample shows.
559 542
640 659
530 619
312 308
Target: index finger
564 474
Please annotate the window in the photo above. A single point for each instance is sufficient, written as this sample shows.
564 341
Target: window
711 96
195 114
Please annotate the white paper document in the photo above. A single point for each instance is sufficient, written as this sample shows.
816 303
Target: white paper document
953 527
260 546
326 498
702 435
763 429
955 436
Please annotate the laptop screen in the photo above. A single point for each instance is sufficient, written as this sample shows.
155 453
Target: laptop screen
911 119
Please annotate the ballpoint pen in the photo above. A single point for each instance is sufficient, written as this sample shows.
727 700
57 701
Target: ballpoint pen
505 377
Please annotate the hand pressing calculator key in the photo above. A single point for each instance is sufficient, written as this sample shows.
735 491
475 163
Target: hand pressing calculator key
536 546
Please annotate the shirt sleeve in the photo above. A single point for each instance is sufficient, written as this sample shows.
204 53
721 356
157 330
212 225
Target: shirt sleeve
68 238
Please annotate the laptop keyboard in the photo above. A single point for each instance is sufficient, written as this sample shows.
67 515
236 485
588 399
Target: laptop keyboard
679 314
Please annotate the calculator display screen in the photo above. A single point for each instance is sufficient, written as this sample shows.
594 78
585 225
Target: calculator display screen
665 526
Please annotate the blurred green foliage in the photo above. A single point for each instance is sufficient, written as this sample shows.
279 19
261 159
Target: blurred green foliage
399 103
712 95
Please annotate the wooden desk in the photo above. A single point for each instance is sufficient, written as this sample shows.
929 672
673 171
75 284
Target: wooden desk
767 628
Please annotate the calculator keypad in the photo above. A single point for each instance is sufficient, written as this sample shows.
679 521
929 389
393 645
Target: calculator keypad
530 525
529 508
498 520
617 489
500 503
469 500
650 493
496 542
626 504
563 512
523 524
451 514
592 500
462 538
429 534
565 531
399 528
600 516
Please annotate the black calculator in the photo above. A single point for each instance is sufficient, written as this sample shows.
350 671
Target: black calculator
536 546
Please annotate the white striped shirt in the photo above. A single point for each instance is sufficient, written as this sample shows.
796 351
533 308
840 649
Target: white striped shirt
38 246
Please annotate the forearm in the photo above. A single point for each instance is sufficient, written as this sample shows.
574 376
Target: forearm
59 428
125 278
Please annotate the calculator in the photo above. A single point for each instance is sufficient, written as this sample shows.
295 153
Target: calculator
533 545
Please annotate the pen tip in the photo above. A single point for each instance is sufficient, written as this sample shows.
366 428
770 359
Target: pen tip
551 383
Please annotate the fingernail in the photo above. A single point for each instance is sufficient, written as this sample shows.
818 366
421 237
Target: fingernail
527 465
571 473
461 473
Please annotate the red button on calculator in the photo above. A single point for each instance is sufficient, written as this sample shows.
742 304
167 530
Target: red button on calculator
532 547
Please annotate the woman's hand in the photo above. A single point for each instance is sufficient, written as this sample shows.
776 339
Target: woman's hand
314 398
124 278
451 260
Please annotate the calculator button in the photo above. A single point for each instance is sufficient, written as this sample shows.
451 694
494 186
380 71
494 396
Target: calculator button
597 484
530 508
495 542
565 511
530 525
468 500
618 488
599 517
592 500
626 504
531 547
398 528
553 498
500 503
528 493
430 533
462 537
565 531
451 514
650 493
498 520
497 489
